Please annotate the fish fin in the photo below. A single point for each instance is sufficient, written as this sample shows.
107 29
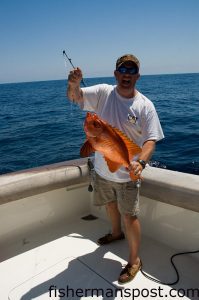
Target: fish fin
113 166
86 149
132 147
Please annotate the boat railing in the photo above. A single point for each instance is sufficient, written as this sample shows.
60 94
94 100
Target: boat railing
171 187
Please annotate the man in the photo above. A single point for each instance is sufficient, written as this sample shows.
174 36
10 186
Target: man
125 108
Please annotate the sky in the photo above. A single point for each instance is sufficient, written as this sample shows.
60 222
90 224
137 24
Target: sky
163 34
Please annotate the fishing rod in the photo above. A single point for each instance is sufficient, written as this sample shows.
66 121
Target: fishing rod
70 61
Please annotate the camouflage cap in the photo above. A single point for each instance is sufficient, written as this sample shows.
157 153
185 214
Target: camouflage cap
125 58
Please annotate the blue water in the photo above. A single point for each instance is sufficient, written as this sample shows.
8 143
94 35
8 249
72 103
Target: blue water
38 126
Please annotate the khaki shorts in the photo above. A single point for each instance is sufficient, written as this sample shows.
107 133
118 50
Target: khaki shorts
125 194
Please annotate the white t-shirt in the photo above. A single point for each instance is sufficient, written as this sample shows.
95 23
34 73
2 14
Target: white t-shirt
136 117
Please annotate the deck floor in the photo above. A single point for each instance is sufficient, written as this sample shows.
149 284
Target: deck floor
67 263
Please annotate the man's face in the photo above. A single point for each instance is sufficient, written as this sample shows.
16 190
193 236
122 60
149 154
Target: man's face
125 79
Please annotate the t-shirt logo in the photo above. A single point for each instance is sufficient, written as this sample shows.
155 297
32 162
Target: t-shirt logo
132 119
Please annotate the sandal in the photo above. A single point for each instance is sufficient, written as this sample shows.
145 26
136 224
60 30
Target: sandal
129 273
108 238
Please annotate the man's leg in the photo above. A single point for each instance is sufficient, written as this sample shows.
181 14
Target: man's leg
133 235
104 194
128 204
115 218
129 208
132 227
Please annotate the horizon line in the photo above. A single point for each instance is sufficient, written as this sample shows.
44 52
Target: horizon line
45 80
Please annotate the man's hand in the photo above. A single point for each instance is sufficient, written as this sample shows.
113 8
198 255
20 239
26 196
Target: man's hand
75 77
136 168
74 92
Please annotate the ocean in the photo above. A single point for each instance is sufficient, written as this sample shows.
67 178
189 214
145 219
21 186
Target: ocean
39 126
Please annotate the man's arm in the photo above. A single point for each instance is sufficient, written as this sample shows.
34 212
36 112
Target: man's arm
74 92
147 151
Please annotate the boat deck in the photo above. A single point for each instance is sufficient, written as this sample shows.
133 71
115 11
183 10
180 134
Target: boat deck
66 263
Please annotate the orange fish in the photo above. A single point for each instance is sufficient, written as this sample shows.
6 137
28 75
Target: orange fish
117 148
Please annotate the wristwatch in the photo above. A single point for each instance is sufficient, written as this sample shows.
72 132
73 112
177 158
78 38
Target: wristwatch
142 163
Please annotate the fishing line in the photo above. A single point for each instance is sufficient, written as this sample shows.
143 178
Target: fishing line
66 59
70 61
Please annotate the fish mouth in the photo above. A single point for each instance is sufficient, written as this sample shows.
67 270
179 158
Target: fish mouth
91 115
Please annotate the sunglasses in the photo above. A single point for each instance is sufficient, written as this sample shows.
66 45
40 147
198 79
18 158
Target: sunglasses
124 70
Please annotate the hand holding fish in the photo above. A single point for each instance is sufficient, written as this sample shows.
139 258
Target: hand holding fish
136 168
